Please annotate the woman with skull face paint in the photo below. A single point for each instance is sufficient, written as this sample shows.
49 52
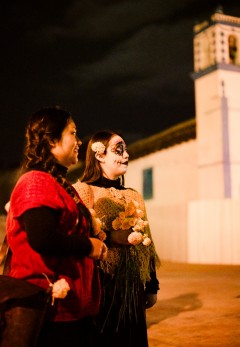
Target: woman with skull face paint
128 273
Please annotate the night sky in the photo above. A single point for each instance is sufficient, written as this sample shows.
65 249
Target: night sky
121 65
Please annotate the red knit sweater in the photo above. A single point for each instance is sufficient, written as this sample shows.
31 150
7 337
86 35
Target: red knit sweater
36 189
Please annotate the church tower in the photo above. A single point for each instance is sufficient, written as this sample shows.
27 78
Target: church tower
217 103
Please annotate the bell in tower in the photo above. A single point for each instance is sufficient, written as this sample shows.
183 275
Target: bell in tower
217 41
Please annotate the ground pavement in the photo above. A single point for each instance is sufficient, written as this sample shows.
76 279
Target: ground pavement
198 306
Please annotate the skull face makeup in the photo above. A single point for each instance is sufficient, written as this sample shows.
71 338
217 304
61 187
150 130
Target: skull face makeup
114 163
119 148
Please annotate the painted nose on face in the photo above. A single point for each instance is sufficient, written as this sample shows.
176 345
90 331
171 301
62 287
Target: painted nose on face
125 155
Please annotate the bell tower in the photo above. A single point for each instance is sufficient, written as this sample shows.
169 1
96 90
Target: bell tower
217 103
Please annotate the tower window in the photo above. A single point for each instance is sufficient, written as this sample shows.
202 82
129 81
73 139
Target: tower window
232 44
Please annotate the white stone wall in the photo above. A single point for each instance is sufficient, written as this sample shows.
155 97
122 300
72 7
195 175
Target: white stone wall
186 228
218 134
214 232
174 185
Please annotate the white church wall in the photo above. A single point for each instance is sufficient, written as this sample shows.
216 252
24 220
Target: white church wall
214 174
213 232
169 229
174 173
174 184
235 181
195 210
234 130
218 134
208 116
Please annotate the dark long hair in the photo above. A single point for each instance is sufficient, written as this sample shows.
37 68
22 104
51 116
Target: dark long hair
44 126
93 171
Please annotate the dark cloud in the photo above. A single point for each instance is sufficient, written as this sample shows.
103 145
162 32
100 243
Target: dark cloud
114 64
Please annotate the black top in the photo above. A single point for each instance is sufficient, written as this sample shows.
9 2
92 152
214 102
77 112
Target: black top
107 183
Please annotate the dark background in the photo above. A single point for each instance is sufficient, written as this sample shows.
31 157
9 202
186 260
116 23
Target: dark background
116 64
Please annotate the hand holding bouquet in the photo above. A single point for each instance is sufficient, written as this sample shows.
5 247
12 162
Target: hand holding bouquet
131 218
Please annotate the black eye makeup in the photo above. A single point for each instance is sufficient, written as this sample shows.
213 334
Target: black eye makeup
119 148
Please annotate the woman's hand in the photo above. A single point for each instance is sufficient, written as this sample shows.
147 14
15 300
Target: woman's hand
99 249
151 300
120 237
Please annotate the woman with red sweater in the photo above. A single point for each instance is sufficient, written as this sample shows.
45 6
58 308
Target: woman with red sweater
49 229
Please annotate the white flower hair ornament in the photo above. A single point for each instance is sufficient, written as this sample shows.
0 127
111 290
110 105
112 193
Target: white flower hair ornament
98 147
